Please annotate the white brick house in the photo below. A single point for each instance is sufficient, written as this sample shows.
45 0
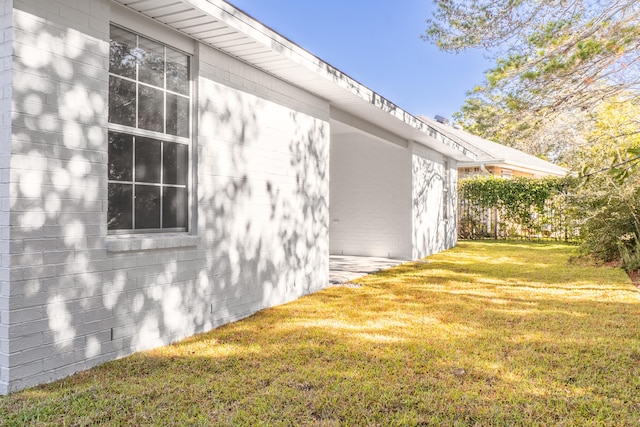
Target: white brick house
172 165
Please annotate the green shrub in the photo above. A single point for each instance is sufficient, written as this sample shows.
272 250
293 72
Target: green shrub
609 216
526 207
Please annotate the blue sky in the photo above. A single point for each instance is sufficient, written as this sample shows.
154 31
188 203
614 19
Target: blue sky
377 42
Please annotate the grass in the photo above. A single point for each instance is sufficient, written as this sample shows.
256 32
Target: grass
484 334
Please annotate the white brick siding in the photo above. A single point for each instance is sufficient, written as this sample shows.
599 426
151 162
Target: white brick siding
57 193
6 38
386 200
370 197
431 231
73 296
70 295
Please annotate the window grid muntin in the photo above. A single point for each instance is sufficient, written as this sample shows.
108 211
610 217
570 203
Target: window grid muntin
164 103
161 137
115 127
134 183
163 89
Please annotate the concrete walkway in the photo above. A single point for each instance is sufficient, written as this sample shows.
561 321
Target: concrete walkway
343 268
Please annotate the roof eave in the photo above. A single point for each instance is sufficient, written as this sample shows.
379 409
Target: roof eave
295 65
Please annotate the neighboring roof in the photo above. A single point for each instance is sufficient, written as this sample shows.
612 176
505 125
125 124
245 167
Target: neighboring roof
491 153
222 26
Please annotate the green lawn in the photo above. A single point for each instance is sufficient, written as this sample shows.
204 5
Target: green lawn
484 334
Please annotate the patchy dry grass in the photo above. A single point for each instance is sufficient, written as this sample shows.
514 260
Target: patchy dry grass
485 334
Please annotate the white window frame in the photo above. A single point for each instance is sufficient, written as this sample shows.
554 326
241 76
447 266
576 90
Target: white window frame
149 30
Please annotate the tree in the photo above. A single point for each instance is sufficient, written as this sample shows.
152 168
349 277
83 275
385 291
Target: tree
554 55
556 61
606 196
555 139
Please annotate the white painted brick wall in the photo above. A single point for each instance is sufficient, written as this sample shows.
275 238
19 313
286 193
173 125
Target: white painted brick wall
432 233
6 38
370 197
452 232
387 200
263 181
71 296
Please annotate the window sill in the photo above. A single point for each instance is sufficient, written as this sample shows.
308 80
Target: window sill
144 242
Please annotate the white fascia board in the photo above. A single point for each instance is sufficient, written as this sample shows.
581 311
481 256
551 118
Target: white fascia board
440 146
259 32
368 128
436 141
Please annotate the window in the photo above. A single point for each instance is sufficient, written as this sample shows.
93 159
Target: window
149 135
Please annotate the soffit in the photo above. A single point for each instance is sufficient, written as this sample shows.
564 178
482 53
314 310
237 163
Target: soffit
223 27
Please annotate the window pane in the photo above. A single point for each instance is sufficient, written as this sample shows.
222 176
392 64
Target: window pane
151 62
120 156
174 207
148 157
177 72
147 206
149 89
120 204
122 60
176 163
150 109
122 101
177 115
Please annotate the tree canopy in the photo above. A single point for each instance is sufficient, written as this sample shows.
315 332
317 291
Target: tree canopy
556 60
554 54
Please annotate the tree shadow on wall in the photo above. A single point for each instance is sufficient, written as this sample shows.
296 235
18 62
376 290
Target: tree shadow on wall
260 207
431 232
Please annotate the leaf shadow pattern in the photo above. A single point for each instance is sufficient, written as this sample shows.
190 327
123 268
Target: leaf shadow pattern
260 202
432 196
